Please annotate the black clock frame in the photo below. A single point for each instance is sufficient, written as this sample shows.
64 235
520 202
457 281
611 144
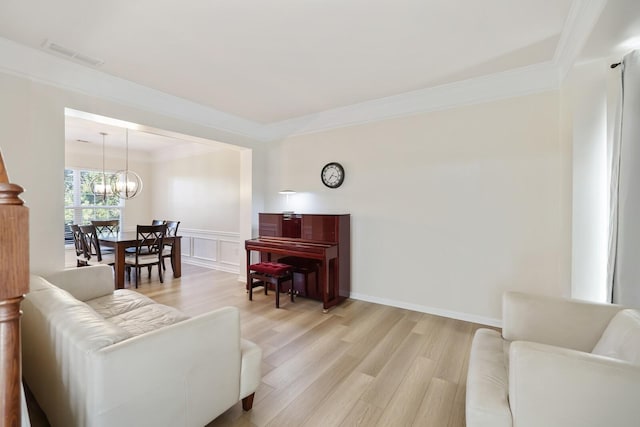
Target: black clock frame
340 181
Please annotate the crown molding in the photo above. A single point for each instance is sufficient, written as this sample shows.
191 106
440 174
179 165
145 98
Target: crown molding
583 17
42 67
523 81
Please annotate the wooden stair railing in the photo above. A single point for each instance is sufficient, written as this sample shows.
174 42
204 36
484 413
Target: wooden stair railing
14 283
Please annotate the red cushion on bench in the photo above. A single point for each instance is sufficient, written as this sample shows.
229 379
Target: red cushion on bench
272 268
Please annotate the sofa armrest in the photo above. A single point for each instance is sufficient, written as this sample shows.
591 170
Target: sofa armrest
549 320
251 370
183 374
85 283
552 386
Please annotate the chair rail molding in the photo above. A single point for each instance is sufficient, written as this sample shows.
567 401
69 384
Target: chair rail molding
219 250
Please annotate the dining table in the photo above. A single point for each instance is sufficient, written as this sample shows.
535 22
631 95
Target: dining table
129 239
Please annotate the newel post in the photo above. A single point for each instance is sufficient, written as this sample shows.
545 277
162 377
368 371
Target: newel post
14 283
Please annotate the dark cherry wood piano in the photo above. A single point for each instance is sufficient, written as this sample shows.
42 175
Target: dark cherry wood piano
316 244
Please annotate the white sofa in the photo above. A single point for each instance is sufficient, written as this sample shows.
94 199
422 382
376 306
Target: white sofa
93 356
558 362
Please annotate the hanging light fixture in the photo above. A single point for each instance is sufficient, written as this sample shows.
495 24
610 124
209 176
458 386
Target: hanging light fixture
126 184
101 186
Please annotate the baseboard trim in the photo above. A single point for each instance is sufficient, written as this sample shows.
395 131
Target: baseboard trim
209 265
429 310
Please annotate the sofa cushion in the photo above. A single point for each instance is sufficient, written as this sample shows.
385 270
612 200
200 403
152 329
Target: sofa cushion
119 302
148 318
621 339
74 321
84 283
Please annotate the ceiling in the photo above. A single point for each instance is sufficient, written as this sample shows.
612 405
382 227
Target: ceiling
268 62
81 131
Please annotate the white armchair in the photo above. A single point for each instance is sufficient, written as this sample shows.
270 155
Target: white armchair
558 362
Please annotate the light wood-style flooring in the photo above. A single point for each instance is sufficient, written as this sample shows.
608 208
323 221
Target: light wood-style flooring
360 364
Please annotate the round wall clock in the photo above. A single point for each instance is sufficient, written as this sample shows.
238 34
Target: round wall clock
332 175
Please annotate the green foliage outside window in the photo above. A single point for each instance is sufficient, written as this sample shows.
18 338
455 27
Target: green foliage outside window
82 205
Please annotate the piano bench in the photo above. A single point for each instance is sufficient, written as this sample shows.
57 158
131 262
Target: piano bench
269 272
304 267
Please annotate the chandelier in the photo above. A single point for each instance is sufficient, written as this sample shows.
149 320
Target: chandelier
101 186
126 184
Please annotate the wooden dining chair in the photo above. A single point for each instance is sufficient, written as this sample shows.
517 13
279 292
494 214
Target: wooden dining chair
93 253
78 242
158 222
167 250
109 227
148 250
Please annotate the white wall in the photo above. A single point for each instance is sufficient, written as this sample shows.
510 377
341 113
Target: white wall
202 191
32 134
449 209
585 90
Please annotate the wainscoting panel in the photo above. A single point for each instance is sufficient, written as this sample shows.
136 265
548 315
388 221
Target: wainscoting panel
219 250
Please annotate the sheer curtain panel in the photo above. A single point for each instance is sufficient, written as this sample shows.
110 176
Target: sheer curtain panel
624 242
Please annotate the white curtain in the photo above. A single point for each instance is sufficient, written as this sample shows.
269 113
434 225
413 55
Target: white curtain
624 226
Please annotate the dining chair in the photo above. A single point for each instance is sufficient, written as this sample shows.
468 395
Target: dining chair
109 227
167 250
78 242
153 222
93 253
148 250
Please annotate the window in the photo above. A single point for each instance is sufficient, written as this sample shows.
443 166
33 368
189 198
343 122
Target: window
81 205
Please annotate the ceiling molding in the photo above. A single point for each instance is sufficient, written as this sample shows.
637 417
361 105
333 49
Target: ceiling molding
508 84
43 67
582 18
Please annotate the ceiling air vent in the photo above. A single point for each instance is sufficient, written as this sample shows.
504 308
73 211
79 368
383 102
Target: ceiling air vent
72 54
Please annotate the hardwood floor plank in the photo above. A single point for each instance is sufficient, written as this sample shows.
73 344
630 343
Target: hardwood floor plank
326 341
396 366
268 408
383 346
435 409
363 414
403 407
436 337
308 402
340 402
451 360
299 345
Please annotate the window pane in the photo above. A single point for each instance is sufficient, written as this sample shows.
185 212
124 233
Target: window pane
68 187
82 205
88 181
68 216
87 197
102 214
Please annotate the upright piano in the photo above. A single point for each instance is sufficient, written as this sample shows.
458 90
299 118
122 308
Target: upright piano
322 240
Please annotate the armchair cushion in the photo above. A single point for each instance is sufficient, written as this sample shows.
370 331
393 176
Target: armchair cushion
621 339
